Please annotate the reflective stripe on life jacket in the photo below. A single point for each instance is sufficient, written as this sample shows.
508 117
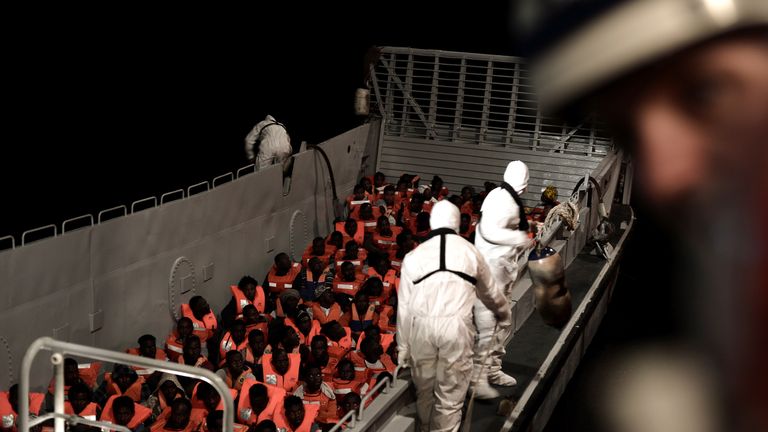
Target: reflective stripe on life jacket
290 380
333 314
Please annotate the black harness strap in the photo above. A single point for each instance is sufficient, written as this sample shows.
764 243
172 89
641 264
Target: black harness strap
443 268
257 144
523 225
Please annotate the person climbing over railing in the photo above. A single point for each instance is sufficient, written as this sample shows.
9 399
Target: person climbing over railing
268 143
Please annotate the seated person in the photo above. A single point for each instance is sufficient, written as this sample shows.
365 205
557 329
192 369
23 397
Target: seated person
374 331
235 371
178 419
306 328
254 320
123 381
372 359
159 401
80 402
379 182
205 399
384 238
408 217
311 277
325 308
358 198
318 354
346 381
123 411
466 229
315 391
282 274
390 204
353 254
148 348
246 292
347 281
214 422
287 303
351 229
369 215
374 288
318 249
192 356
422 227
336 239
467 192
258 402
295 416
405 243
233 340
174 343
388 316
349 402
204 322
9 407
380 267
281 369
438 190
257 344
339 339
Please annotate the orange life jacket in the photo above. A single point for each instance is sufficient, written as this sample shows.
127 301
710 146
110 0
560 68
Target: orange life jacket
88 413
290 380
384 316
370 224
228 344
325 399
353 205
385 341
88 372
202 328
343 387
387 242
339 349
310 413
159 426
259 300
389 281
318 313
367 370
358 324
347 287
278 283
10 418
313 331
245 412
237 383
133 392
199 404
159 355
359 236
362 255
140 413
324 258
173 348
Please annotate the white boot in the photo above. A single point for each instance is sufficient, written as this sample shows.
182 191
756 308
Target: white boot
483 390
502 379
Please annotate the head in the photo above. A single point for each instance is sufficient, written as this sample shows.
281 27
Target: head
351 250
345 369
350 402
315 265
372 331
405 242
367 185
247 286
366 211
313 376
455 200
283 262
294 411
466 193
379 179
169 389
371 349
336 239
290 298
382 224
71 371
416 203
516 175
257 342
318 246
437 184
123 376
489 186
373 287
199 307
426 193
208 395
464 223
235 362
280 361
303 322
359 191
250 315
477 203
214 421
422 221
181 408
258 396
147 346
191 348
319 348
184 327
324 296
238 331
361 302
347 271
333 330
444 215
79 396
402 187
389 195
381 265
290 339
123 410
350 227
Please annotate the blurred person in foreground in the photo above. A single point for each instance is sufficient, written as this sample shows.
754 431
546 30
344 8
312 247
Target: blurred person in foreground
683 84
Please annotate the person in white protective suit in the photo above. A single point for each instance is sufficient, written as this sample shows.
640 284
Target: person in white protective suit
435 333
501 236
271 140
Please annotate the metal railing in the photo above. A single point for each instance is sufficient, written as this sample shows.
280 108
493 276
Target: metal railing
60 349
474 98
358 415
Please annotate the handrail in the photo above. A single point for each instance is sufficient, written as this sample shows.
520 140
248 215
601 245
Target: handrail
379 385
229 174
64 224
189 189
152 198
74 419
61 348
162 197
125 211
350 415
253 166
24 235
13 240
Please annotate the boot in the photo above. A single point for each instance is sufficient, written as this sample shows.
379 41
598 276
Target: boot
483 390
501 379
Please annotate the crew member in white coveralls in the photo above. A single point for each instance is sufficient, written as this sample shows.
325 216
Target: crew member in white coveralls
271 140
501 236
440 282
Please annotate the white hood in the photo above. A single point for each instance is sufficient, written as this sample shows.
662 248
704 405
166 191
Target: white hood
444 215
517 176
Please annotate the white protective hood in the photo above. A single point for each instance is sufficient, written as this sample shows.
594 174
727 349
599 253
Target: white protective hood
445 215
517 176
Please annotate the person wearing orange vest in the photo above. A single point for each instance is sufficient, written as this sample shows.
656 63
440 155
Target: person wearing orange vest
233 340
347 281
380 268
214 422
192 356
336 239
246 292
318 249
375 290
254 320
422 227
384 238
405 243
389 203
174 343
306 328
358 198
80 402
361 315
287 304
415 206
385 339
346 380
124 381
281 369
258 402
379 182
282 274
349 402
310 278
9 407
159 402
318 353
314 391
438 190
325 309
467 192
372 357
74 373
203 320
235 371
388 319
179 419
257 342
466 229
148 348
339 339
296 417
351 229
205 398
351 253
368 215
123 411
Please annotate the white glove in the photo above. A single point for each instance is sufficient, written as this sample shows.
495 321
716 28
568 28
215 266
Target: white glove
504 319
403 358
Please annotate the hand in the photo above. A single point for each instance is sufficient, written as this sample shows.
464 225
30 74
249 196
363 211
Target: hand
403 358
504 319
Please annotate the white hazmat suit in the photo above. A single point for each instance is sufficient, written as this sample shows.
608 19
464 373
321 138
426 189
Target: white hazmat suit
271 140
440 282
500 241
